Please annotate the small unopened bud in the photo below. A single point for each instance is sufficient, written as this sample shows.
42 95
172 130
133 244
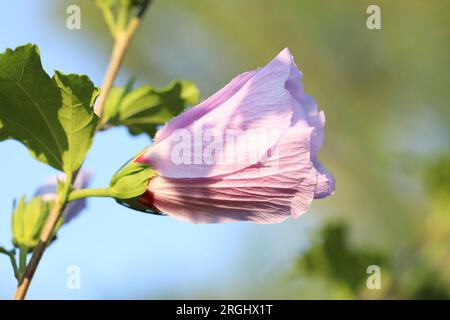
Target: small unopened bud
28 219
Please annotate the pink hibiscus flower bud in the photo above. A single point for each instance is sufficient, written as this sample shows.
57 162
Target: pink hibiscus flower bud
249 152
47 191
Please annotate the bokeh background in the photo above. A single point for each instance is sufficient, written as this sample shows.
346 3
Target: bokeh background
386 97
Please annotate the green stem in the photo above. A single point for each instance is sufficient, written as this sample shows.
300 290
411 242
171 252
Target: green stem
108 15
122 16
12 257
63 194
85 193
23 252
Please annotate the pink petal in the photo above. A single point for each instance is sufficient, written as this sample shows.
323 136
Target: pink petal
268 192
192 114
325 182
305 108
260 111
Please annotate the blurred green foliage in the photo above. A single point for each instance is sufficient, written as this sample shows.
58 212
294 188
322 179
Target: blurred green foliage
331 256
421 274
386 98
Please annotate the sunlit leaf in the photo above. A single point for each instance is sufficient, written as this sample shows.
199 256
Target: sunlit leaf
115 98
143 109
77 116
54 118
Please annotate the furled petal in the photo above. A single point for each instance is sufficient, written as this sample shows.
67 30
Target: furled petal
193 114
259 113
268 192
48 192
316 119
325 182
305 108
306 112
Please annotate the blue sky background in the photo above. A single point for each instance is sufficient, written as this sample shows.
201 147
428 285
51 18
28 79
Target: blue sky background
123 253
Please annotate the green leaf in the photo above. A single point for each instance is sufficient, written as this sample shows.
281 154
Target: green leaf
77 116
54 118
115 98
143 109
29 104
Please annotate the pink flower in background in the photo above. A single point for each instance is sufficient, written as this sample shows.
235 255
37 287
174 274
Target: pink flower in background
48 192
274 172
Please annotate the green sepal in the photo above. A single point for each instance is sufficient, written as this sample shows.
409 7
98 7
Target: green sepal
131 180
135 201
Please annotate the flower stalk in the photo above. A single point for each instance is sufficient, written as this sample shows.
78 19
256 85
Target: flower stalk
89 193
23 252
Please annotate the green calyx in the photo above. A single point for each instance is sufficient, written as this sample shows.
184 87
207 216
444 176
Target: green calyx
131 180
